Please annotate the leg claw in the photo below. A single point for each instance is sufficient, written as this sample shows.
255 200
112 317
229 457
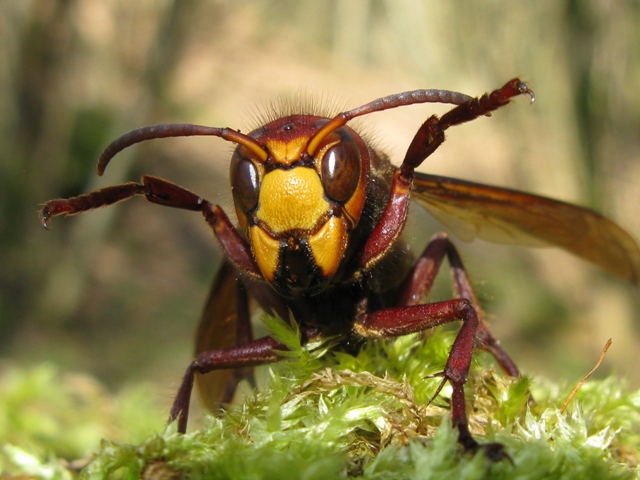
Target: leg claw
494 451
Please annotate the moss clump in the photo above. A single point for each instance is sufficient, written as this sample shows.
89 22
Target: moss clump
49 418
333 415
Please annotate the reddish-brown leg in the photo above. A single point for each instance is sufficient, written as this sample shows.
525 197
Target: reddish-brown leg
244 336
431 134
271 304
418 284
428 138
162 192
258 352
398 321
413 318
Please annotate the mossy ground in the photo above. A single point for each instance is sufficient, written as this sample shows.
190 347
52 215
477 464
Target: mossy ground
325 415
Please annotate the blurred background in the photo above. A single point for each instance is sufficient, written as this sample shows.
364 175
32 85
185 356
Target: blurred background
118 292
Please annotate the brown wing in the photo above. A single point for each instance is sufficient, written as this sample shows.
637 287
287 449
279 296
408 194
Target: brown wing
218 330
501 215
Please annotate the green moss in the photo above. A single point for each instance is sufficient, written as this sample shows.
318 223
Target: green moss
334 415
47 416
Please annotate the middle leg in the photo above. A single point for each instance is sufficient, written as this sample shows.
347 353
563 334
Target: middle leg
420 279
393 322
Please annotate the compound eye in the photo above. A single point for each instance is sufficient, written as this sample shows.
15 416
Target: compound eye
245 183
341 170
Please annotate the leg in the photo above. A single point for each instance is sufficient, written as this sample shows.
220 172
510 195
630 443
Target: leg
154 189
162 192
89 201
431 134
420 280
225 323
258 352
427 140
398 321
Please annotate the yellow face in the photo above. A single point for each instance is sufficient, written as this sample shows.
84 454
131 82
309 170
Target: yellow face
296 210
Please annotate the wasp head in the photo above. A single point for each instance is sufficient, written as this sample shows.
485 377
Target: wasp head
297 207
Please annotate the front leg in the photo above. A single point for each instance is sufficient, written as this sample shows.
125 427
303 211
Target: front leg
426 141
154 189
393 322
162 192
